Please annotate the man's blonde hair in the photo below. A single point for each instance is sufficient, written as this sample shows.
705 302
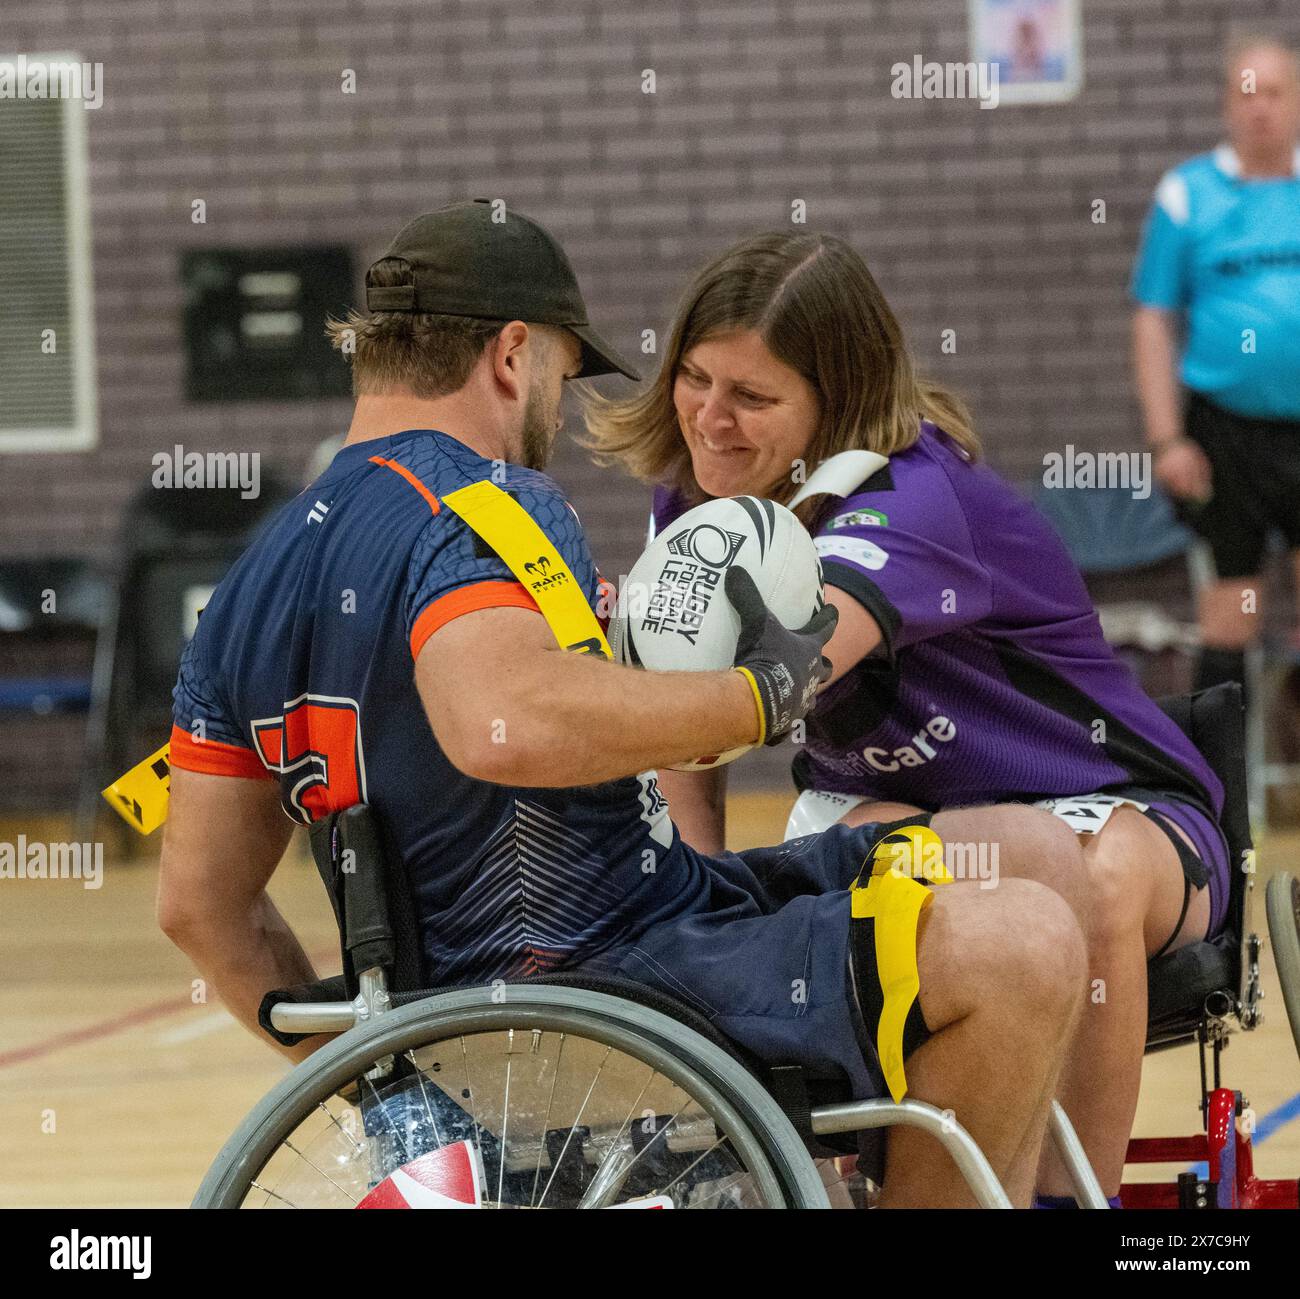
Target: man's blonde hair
431 355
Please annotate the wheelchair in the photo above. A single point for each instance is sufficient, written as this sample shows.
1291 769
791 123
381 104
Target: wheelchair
1204 991
570 1090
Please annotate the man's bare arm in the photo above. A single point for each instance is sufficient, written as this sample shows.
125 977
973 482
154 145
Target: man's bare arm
224 838
1155 371
508 706
1180 465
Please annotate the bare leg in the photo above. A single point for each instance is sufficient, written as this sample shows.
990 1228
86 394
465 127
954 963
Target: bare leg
1001 980
1125 886
1137 885
1230 610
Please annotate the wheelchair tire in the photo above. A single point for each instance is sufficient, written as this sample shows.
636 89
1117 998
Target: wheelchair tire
758 1131
1282 903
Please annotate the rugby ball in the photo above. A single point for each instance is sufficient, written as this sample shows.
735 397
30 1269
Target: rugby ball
673 614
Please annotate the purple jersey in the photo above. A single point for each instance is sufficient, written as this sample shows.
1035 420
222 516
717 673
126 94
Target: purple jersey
994 682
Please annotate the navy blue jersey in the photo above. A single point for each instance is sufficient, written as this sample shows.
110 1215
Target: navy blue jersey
302 671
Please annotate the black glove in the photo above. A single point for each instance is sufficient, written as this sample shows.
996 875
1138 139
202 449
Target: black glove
786 666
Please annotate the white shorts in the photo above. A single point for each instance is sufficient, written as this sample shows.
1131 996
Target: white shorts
816 810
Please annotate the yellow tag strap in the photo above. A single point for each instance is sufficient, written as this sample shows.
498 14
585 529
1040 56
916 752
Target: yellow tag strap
530 555
140 797
895 903
893 897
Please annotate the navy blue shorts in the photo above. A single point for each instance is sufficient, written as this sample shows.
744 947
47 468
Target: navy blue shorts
769 966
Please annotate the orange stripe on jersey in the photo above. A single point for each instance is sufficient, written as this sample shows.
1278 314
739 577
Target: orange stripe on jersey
410 478
606 602
215 759
467 599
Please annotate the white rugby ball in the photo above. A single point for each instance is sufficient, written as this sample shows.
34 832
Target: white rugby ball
673 614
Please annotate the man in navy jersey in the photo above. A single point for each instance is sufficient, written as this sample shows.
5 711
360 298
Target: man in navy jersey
373 647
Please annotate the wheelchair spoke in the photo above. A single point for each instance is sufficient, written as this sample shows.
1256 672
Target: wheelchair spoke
329 1114
720 1189
615 1153
379 1102
505 1118
546 1121
582 1109
469 1091
266 1190
316 1168
721 1141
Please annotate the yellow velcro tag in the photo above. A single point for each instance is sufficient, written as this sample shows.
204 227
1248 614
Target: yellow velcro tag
894 897
915 851
141 796
530 555
895 902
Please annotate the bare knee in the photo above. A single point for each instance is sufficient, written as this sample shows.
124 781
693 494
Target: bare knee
1031 843
1122 865
1111 885
1045 955
1017 951
1225 624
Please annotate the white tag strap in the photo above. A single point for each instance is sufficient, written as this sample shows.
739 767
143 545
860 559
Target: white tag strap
841 475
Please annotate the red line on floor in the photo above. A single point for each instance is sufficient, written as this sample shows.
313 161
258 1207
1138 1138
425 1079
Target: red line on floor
76 1036
107 1027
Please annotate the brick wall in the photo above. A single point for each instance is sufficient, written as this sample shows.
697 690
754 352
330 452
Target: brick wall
972 220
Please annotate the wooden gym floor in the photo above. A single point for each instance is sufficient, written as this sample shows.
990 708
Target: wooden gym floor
117 1089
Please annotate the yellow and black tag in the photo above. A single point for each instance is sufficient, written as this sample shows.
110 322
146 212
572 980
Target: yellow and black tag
140 796
531 556
885 909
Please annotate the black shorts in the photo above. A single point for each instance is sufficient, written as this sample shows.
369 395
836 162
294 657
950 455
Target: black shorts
1256 480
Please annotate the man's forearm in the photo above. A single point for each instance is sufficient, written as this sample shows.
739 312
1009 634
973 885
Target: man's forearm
1155 368
602 720
244 956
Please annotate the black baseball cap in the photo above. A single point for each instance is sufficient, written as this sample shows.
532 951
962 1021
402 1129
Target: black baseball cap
464 263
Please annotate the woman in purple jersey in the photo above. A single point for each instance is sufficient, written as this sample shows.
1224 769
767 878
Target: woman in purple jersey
971 679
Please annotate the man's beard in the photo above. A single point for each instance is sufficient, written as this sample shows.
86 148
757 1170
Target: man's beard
537 437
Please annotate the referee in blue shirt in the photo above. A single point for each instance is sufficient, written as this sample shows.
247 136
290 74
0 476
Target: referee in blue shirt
1217 286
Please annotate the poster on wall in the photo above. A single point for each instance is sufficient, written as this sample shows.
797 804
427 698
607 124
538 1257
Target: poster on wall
1037 46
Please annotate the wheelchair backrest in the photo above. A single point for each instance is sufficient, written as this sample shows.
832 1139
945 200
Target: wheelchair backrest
371 897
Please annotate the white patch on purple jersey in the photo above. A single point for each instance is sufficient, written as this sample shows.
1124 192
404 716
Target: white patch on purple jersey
857 550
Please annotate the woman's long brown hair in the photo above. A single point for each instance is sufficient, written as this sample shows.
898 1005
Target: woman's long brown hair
813 301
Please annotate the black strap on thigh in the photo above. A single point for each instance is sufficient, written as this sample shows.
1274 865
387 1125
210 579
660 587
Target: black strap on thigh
1194 872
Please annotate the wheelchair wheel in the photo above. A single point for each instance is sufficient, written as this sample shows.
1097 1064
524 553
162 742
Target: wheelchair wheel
518 1096
1282 902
